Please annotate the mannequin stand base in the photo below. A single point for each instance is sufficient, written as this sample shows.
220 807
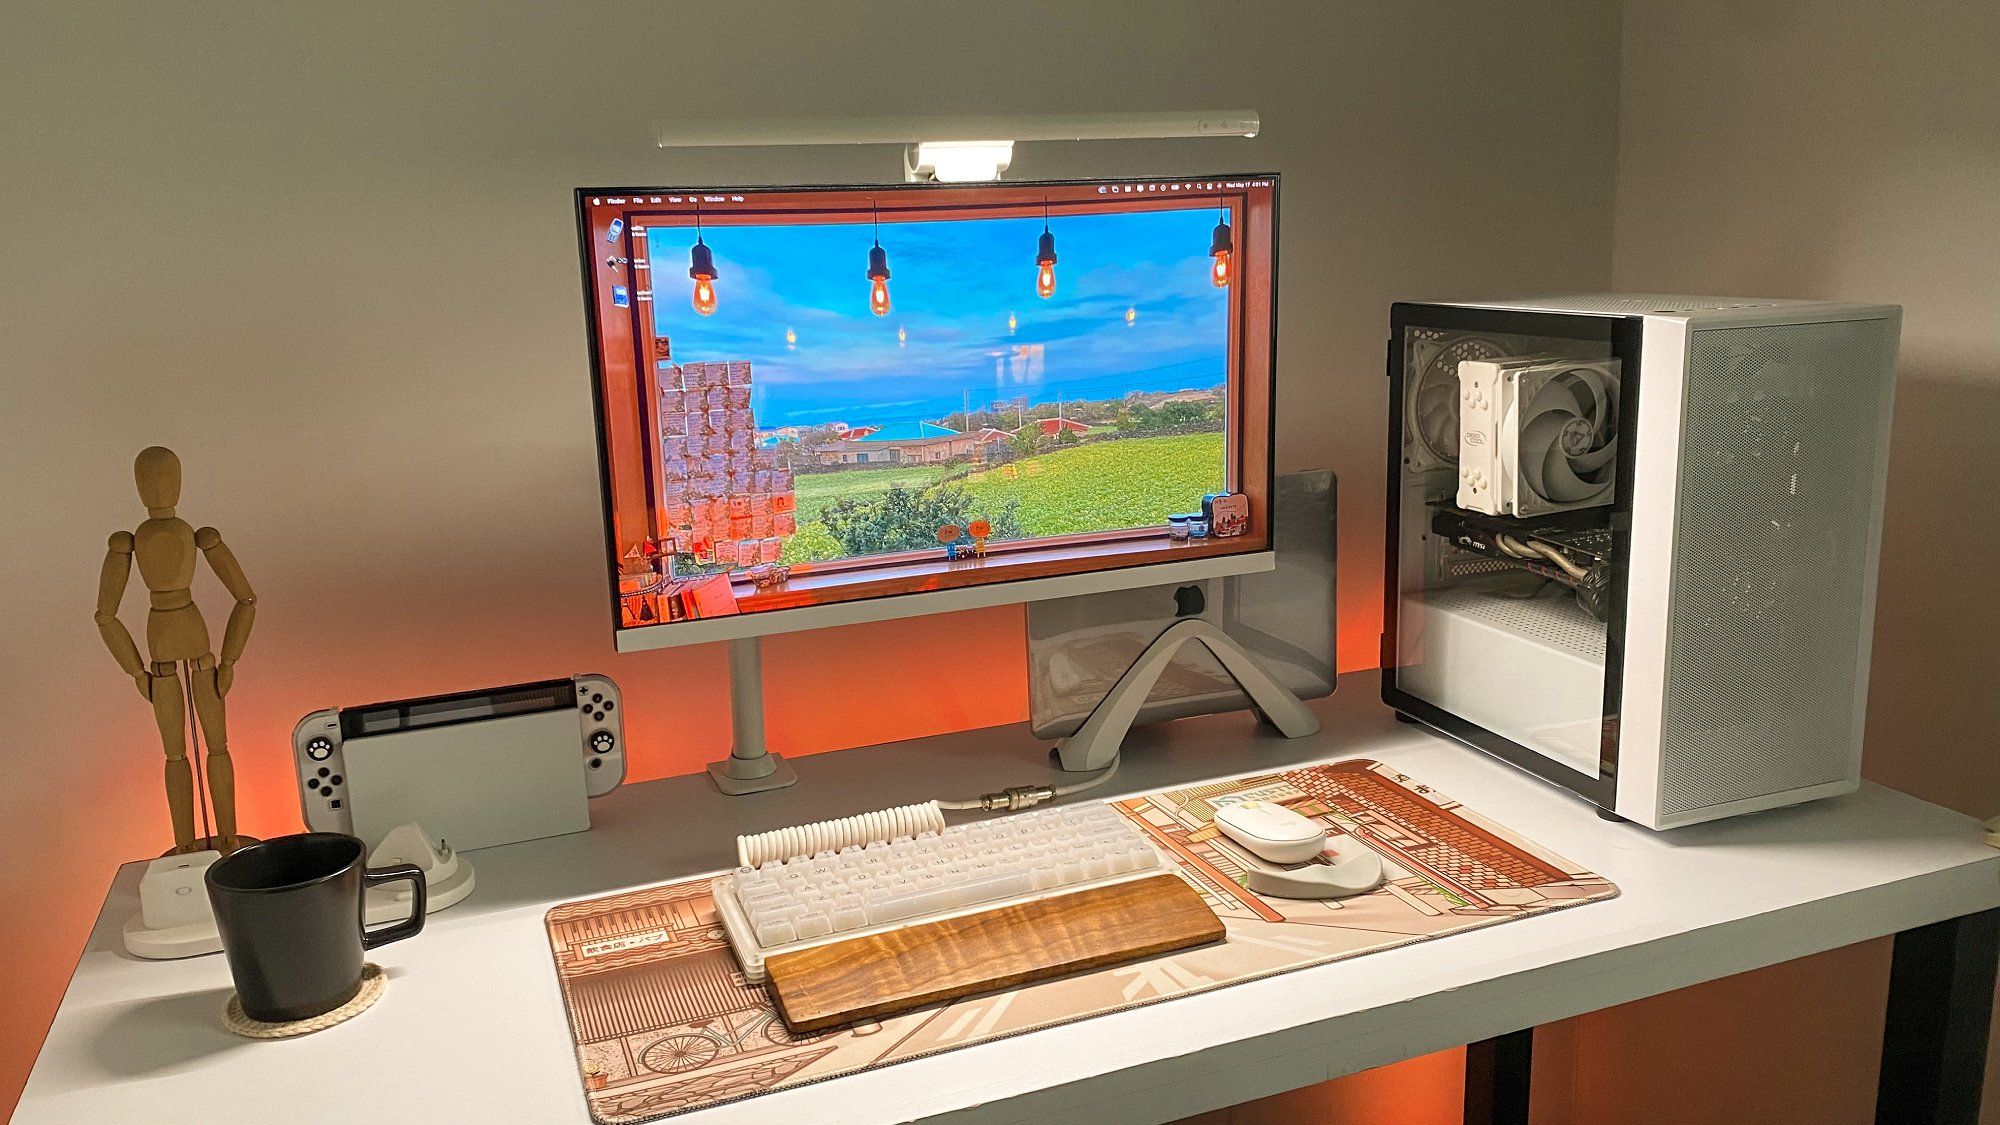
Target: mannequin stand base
727 775
211 844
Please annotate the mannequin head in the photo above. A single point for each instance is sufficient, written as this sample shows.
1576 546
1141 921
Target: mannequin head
158 473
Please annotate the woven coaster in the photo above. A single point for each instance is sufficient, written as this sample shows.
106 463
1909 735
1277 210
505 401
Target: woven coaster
373 980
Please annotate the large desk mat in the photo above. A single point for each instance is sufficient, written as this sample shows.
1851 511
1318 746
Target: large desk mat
663 1022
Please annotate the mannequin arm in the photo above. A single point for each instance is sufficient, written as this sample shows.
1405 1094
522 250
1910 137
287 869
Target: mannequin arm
223 562
110 591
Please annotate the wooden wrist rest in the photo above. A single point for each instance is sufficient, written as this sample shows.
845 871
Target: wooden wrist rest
887 973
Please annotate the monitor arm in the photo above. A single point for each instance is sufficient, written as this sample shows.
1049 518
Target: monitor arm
1095 744
750 766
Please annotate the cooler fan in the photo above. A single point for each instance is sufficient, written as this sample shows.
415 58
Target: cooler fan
1430 395
1537 436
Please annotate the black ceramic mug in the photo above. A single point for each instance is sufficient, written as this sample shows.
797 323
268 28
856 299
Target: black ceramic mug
289 910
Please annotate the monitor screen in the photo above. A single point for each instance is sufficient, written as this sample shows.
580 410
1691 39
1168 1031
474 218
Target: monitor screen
816 397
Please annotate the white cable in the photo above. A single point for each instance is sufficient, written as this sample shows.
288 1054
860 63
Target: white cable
885 825
832 835
1018 797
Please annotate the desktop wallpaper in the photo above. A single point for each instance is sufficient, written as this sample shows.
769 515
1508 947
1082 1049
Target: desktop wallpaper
800 422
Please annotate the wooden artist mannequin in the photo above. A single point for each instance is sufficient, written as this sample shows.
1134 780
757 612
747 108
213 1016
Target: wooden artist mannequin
183 664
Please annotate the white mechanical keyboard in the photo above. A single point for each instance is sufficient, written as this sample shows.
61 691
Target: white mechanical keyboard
786 905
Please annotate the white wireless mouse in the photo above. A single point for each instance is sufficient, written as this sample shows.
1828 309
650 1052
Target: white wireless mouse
1271 831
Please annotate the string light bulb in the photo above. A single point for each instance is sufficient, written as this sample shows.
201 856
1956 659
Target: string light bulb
1045 259
902 336
1012 323
701 267
791 339
878 269
1131 315
1220 251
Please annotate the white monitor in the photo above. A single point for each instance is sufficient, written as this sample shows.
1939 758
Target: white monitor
819 406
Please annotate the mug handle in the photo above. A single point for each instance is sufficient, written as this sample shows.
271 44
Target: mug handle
411 928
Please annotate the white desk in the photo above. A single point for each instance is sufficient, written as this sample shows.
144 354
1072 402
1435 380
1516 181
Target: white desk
472 1027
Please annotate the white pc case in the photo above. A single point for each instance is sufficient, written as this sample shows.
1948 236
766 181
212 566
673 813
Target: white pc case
1693 642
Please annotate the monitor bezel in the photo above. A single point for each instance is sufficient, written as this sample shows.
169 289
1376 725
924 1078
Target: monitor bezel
893 606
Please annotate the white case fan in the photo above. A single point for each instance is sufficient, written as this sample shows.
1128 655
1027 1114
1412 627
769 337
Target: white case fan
1430 405
1537 435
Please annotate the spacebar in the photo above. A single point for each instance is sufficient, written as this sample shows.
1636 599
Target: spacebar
887 973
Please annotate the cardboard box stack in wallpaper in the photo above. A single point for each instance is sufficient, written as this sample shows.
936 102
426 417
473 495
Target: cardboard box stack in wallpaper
724 501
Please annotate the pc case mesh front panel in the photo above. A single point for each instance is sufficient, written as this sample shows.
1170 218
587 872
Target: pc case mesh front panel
1771 598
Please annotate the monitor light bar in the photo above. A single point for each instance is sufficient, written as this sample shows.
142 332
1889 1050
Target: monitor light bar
747 132
957 162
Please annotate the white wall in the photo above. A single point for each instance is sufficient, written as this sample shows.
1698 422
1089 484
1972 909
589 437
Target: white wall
326 251
1846 150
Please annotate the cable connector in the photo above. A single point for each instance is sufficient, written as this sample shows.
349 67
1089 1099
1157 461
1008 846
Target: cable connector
1014 798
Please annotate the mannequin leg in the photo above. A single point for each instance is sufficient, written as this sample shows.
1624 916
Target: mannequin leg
221 772
170 712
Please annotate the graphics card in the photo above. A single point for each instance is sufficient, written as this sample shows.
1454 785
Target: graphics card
1536 435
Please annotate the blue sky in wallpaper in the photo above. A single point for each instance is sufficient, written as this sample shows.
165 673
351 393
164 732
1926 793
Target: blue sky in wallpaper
953 285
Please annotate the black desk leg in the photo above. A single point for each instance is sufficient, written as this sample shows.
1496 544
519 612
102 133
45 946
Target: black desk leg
1496 1079
1940 1007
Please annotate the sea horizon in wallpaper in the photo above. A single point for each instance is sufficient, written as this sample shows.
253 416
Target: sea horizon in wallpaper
1133 311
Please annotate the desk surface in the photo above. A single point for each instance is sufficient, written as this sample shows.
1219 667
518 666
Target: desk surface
472 1026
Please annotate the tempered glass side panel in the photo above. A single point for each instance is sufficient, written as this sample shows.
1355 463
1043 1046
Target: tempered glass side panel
1502 548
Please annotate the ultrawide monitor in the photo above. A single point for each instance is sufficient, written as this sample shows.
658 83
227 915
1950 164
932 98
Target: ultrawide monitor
834 404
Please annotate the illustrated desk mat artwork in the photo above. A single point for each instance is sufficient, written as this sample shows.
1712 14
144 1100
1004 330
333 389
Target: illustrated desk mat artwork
663 1022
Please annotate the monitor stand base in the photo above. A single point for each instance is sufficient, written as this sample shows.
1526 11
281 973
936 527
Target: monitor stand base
750 767
1095 744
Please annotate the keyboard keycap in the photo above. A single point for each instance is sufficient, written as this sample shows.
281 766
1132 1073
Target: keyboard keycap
821 897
